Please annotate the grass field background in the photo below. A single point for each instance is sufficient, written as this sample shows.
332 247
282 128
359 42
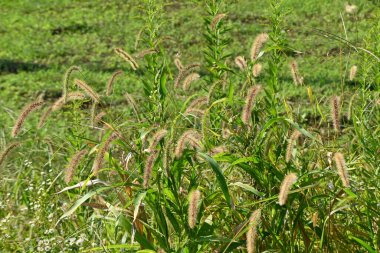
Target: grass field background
41 39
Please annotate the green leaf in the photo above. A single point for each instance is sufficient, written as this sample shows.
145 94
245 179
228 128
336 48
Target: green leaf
220 177
115 246
137 202
163 90
244 160
362 243
80 202
249 188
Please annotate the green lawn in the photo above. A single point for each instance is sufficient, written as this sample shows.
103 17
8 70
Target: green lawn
39 40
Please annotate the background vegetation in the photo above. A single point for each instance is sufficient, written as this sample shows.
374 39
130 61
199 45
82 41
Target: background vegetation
40 40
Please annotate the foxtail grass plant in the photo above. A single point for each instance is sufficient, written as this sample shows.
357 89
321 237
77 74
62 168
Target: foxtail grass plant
199 155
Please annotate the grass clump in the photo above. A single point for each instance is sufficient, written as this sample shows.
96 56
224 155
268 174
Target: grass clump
209 153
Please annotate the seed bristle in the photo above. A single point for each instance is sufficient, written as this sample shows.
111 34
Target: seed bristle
286 184
194 200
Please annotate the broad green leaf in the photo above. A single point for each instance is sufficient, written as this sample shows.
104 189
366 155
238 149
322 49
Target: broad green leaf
137 202
80 202
362 243
244 160
249 188
220 177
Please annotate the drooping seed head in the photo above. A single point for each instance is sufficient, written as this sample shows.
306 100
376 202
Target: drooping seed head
111 81
286 184
297 79
44 116
87 89
98 118
257 45
253 224
240 62
74 161
289 149
145 52
59 103
190 137
314 219
257 69
198 102
66 80
353 71
178 62
8 149
194 111
342 169
149 167
216 20
189 79
157 137
184 72
100 155
194 202
131 101
127 57
218 150
246 113
24 114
